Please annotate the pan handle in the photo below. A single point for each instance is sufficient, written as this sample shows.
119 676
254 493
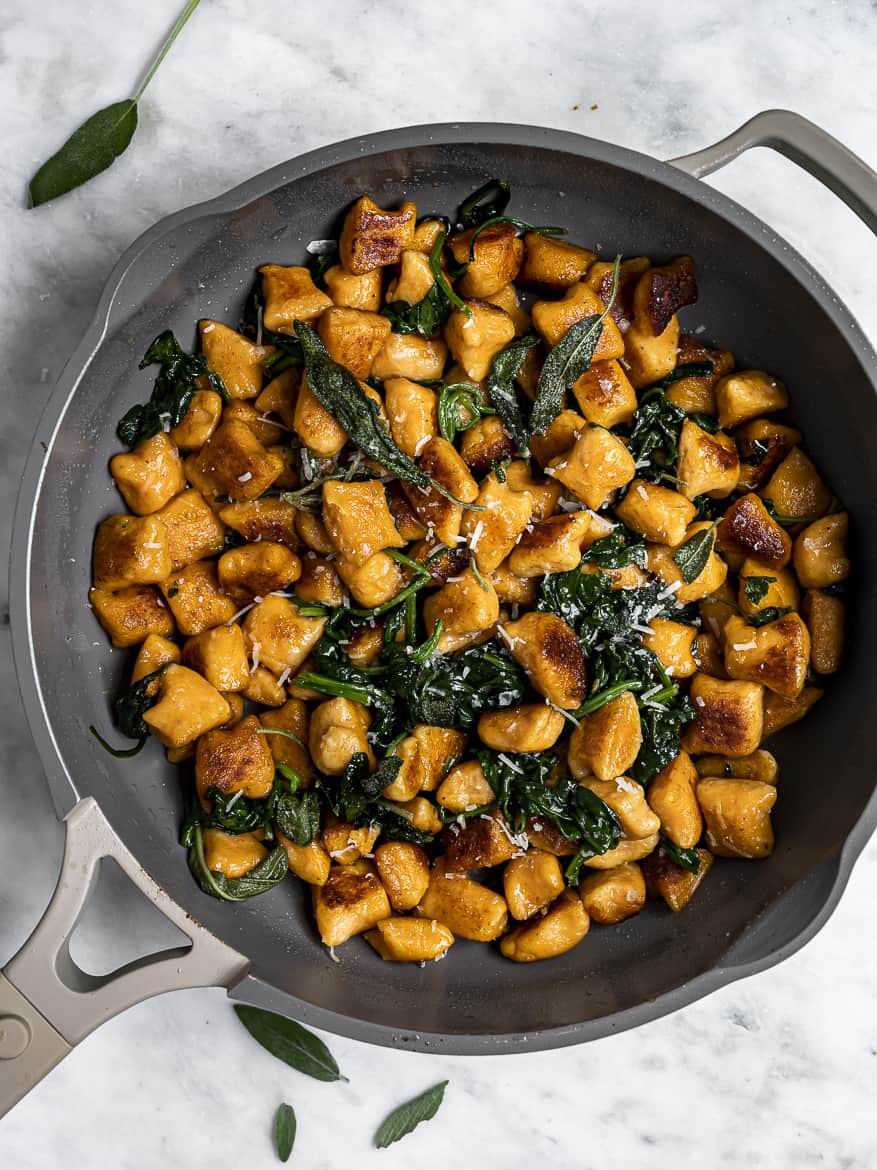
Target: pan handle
804 143
48 1004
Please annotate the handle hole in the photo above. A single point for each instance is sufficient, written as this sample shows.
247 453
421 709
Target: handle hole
117 927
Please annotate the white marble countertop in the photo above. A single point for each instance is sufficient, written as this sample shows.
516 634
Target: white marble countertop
777 1071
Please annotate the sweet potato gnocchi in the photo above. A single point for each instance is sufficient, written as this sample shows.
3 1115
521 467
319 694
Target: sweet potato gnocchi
465 587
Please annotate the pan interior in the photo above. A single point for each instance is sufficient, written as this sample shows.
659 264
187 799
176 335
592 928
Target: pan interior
750 302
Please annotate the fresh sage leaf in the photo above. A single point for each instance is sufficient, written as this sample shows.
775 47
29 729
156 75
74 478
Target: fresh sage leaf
263 877
290 1042
297 815
756 588
686 858
567 361
692 556
408 1116
503 393
284 1131
340 393
99 141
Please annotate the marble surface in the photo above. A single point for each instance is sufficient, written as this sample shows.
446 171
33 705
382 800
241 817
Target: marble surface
775 1071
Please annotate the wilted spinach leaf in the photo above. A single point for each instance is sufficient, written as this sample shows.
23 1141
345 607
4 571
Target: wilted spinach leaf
686 858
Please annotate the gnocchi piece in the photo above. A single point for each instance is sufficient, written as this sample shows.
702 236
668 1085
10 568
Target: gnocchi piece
530 727
439 749
820 552
232 854
338 731
476 336
511 589
737 815
665 879
353 338
465 608
607 741
278 637
374 581
672 796
797 489
780 589
661 562
154 653
410 940
289 748
553 264
318 430
780 712
311 862
493 533
345 843
747 394
627 799
626 850
696 394
554 545
558 438
414 281
761 765
496 255
403 867
348 903
763 445
195 598
485 444
234 357
545 492
612 895
187 707
358 520
596 464
131 615
290 295
268 519
194 531
150 475
673 643
465 788
199 422
605 395
373 238
354 291
657 513
443 463
130 550
728 718
776 654
220 656
467 908
234 760
707 464
531 882
562 927
551 654
279 397
411 410
554 319
319 582
406 355
483 841
747 526
826 623
256 570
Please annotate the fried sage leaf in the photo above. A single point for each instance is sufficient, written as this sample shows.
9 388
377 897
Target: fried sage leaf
408 1116
693 555
501 389
290 1042
340 393
567 361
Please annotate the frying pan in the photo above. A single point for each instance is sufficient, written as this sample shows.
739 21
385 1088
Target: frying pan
758 298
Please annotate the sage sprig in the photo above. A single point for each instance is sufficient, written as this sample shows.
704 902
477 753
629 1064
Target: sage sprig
99 141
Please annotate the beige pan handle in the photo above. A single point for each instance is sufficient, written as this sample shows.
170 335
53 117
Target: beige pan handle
804 143
48 1004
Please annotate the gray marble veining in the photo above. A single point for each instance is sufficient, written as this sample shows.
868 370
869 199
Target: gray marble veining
775 1072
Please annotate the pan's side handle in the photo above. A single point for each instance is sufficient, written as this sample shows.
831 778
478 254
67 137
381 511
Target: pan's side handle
804 143
48 1004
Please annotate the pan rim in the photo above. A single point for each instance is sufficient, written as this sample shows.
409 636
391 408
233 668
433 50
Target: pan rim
62 785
